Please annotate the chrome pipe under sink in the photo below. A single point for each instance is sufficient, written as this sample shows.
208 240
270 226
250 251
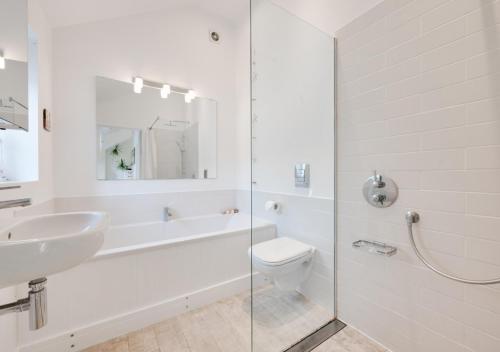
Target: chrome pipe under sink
35 303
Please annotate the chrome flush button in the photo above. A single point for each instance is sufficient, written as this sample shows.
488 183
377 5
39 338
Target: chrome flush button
302 175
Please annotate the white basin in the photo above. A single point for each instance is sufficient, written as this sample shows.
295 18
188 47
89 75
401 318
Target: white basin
48 244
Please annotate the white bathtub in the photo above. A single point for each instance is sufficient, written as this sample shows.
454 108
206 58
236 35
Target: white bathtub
145 273
142 236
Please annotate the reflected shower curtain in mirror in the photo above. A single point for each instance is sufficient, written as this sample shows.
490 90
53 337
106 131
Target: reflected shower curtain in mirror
149 155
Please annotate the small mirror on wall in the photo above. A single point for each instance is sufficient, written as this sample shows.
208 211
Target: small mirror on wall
14 95
13 65
146 134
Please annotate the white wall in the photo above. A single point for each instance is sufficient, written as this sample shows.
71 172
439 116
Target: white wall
62 13
40 190
293 102
243 98
419 100
166 46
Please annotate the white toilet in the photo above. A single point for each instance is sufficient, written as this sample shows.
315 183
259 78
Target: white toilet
286 261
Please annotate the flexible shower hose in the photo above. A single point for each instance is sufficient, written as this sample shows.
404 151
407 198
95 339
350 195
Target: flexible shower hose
412 218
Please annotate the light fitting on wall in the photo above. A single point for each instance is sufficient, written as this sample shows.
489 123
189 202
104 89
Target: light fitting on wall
165 91
164 88
190 95
2 61
138 84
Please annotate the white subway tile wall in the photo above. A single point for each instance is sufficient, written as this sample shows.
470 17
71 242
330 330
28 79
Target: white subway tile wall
419 100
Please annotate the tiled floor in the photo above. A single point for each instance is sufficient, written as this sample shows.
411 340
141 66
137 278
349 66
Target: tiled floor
279 321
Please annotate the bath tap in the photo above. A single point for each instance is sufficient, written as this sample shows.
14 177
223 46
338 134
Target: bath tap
25 202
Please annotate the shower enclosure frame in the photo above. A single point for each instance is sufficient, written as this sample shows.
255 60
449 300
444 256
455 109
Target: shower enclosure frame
323 333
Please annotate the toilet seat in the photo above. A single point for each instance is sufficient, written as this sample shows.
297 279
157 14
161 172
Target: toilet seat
285 261
280 251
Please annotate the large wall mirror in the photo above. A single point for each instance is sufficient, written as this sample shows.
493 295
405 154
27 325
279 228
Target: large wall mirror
13 65
149 130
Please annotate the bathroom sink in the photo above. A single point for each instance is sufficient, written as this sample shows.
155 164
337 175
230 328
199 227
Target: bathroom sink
48 244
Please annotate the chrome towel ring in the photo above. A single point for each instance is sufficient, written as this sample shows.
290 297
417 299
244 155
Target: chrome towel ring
413 218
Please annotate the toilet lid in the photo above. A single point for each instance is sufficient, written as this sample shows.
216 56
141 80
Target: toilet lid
280 251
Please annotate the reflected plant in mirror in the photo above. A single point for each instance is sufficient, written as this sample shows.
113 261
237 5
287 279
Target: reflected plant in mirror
155 132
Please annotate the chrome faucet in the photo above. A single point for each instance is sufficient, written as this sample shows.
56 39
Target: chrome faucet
15 203
166 214
4 188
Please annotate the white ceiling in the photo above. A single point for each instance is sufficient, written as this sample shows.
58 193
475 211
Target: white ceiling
328 15
70 12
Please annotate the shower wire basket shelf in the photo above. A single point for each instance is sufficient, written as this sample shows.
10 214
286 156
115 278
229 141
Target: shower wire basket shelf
375 247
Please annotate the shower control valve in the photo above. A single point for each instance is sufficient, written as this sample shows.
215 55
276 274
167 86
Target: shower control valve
380 192
379 198
377 180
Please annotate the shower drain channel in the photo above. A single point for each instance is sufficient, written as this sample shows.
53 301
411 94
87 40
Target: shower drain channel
312 341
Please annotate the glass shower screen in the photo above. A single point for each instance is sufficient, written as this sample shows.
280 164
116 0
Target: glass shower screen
293 162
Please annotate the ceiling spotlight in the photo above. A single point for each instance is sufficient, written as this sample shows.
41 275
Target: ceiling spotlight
138 84
165 91
190 95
